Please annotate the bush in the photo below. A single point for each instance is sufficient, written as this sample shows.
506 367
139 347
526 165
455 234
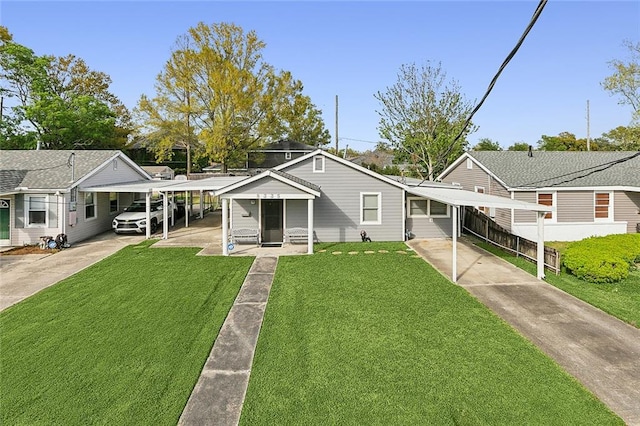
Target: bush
603 259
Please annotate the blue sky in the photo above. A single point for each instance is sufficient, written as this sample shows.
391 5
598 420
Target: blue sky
355 49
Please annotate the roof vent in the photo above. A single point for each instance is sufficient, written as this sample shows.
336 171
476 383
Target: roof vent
530 154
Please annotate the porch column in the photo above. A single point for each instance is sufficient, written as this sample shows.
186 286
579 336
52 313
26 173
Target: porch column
225 226
186 208
310 226
454 249
201 204
148 215
540 251
174 208
165 211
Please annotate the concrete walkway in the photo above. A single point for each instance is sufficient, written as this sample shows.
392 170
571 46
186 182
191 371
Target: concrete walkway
219 393
602 352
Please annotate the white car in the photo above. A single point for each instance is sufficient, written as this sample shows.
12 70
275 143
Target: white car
134 217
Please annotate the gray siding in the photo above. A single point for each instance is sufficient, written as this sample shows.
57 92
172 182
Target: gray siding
627 208
21 235
574 206
87 228
503 216
108 175
244 214
523 216
422 227
337 210
296 213
268 186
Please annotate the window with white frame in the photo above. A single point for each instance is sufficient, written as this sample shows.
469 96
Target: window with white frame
546 199
602 206
480 190
113 202
370 208
318 164
36 211
89 205
422 207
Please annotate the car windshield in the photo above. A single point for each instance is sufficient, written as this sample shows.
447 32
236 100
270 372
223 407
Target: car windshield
137 207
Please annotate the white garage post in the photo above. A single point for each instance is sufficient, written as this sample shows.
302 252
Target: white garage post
540 252
225 226
165 212
148 215
454 249
173 208
201 204
310 226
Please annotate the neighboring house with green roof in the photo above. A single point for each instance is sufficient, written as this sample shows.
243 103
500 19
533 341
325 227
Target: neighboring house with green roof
41 195
592 193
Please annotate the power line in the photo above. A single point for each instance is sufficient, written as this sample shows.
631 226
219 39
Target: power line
534 18
590 170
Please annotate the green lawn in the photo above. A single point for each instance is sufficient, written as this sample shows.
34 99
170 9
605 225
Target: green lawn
122 342
383 338
621 299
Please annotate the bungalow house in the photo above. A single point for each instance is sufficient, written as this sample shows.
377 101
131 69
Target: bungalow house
591 193
41 193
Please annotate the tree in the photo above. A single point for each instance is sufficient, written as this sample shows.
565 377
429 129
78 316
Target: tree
486 144
625 80
421 116
59 102
217 94
565 141
519 146
622 139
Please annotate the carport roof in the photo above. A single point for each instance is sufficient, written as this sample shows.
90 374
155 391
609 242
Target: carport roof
209 184
460 197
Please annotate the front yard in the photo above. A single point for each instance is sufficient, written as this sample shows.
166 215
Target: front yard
382 338
122 342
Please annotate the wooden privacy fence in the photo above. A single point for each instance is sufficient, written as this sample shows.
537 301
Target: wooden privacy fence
483 227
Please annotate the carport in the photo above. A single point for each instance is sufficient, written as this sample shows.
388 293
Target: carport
457 198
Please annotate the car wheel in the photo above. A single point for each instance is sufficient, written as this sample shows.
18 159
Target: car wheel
154 226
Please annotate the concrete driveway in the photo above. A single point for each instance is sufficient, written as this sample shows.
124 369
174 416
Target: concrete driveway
602 352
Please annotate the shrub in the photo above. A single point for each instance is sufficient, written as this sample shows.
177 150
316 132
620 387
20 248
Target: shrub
603 259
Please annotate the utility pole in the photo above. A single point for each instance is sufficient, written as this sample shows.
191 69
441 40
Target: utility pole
337 152
588 135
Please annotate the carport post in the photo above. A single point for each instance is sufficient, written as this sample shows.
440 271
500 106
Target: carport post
225 226
148 215
540 251
454 250
165 212
310 226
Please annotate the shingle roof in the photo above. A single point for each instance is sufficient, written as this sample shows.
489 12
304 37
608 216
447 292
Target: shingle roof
43 169
562 168
287 145
296 179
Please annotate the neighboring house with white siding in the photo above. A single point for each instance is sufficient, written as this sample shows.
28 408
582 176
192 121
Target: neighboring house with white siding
591 193
41 193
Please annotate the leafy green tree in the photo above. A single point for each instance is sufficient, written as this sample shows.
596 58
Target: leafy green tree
621 139
519 146
217 94
486 144
421 115
59 103
565 141
625 80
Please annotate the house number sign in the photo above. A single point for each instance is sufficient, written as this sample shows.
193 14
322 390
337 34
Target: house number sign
274 196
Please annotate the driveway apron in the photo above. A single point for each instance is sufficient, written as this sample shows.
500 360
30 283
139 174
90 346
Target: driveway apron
602 352
219 393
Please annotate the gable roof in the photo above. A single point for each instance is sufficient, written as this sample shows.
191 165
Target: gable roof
286 178
286 145
52 169
341 161
562 169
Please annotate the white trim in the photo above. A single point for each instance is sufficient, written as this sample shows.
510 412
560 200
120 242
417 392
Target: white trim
287 155
267 196
265 175
98 169
458 162
27 200
577 188
315 161
610 212
378 221
428 214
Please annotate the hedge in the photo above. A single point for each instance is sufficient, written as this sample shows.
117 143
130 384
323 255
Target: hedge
603 259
